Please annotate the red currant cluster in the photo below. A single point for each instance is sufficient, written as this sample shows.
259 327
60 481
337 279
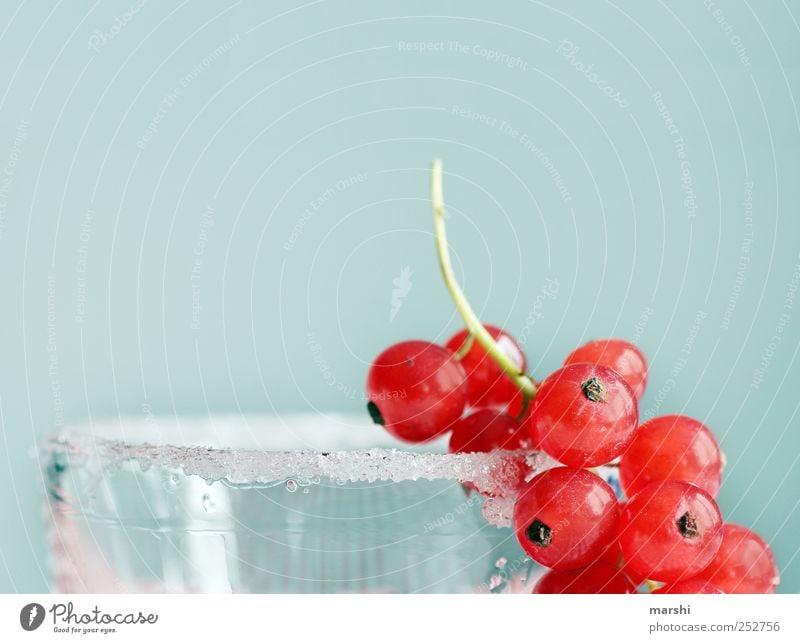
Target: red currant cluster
584 415
669 531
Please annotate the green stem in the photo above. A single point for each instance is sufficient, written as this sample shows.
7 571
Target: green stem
466 347
474 325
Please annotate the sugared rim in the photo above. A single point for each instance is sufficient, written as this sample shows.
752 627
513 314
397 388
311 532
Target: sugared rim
262 450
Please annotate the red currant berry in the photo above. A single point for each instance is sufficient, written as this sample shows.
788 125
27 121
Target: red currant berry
525 423
670 531
690 586
597 578
744 564
487 384
672 447
583 415
613 555
618 355
565 517
486 430
416 390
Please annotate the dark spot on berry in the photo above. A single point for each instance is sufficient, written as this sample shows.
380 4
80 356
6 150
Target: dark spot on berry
539 533
687 524
594 390
375 414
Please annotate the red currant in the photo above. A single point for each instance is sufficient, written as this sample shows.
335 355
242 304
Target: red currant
583 415
690 586
744 564
486 430
670 531
618 355
416 390
565 517
613 555
488 385
672 447
597 578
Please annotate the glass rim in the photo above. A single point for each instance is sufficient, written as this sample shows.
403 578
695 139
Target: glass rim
235 449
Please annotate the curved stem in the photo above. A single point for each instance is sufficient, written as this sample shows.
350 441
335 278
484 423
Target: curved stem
474 325
466 347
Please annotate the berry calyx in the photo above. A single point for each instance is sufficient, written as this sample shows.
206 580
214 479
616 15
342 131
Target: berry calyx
597 578
487 384
672 447
618 355
565 517
594 390
744 563
416 390
583 415
670 531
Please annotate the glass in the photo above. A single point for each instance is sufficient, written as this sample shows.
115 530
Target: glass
289 504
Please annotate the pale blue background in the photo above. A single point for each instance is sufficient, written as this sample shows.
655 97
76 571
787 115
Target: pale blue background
300 97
